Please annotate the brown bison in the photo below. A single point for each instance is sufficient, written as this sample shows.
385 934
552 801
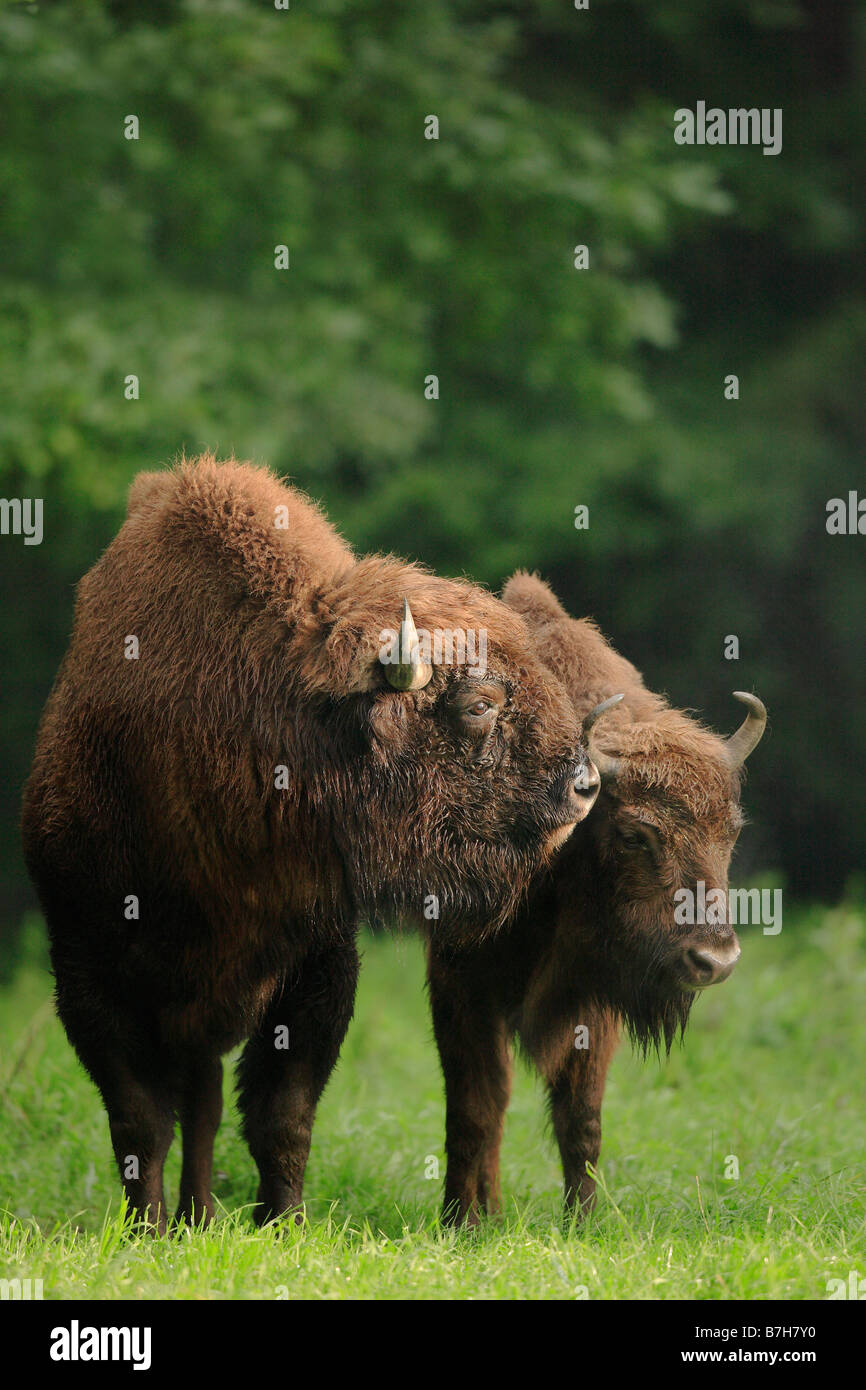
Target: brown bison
232 765
598 942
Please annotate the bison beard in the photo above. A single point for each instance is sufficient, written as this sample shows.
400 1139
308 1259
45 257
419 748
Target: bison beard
597 945
225 777
623 963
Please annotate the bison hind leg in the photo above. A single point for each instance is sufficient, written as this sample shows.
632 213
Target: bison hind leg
141 1121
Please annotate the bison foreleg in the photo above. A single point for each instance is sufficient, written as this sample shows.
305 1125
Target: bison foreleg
576 1093
476 1065
200 1113
284 1069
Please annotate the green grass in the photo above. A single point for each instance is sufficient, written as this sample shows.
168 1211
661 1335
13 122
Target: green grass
771 1071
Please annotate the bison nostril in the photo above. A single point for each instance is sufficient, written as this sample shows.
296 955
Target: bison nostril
584 790
701 964
587 781
707 966
579 792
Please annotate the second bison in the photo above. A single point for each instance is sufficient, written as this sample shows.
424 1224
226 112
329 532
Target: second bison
599 942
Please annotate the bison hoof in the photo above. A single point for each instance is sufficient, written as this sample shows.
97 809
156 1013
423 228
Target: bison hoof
266 1214
461 1216
197 1215
145 1224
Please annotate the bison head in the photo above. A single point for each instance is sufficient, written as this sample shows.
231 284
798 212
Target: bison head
641 892
669 816
450 751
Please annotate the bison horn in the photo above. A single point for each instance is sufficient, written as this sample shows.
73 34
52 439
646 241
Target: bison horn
410 672
748 736
606 765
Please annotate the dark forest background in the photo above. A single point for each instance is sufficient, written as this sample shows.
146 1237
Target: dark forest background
411 257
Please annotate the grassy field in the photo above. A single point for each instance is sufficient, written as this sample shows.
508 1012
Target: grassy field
772 1071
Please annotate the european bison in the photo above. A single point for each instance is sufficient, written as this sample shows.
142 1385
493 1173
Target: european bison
226 775
598 941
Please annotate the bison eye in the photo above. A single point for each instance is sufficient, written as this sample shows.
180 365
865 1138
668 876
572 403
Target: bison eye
639 838
479 708
476 711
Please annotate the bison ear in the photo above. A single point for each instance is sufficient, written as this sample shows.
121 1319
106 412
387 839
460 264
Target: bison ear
347 660
146 489
534 600
358 654
549 626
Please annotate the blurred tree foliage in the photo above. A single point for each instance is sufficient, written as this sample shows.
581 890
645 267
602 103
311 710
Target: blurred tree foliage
454 257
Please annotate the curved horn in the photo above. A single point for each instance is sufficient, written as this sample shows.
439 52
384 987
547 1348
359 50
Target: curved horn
606 765
410 672
748 736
